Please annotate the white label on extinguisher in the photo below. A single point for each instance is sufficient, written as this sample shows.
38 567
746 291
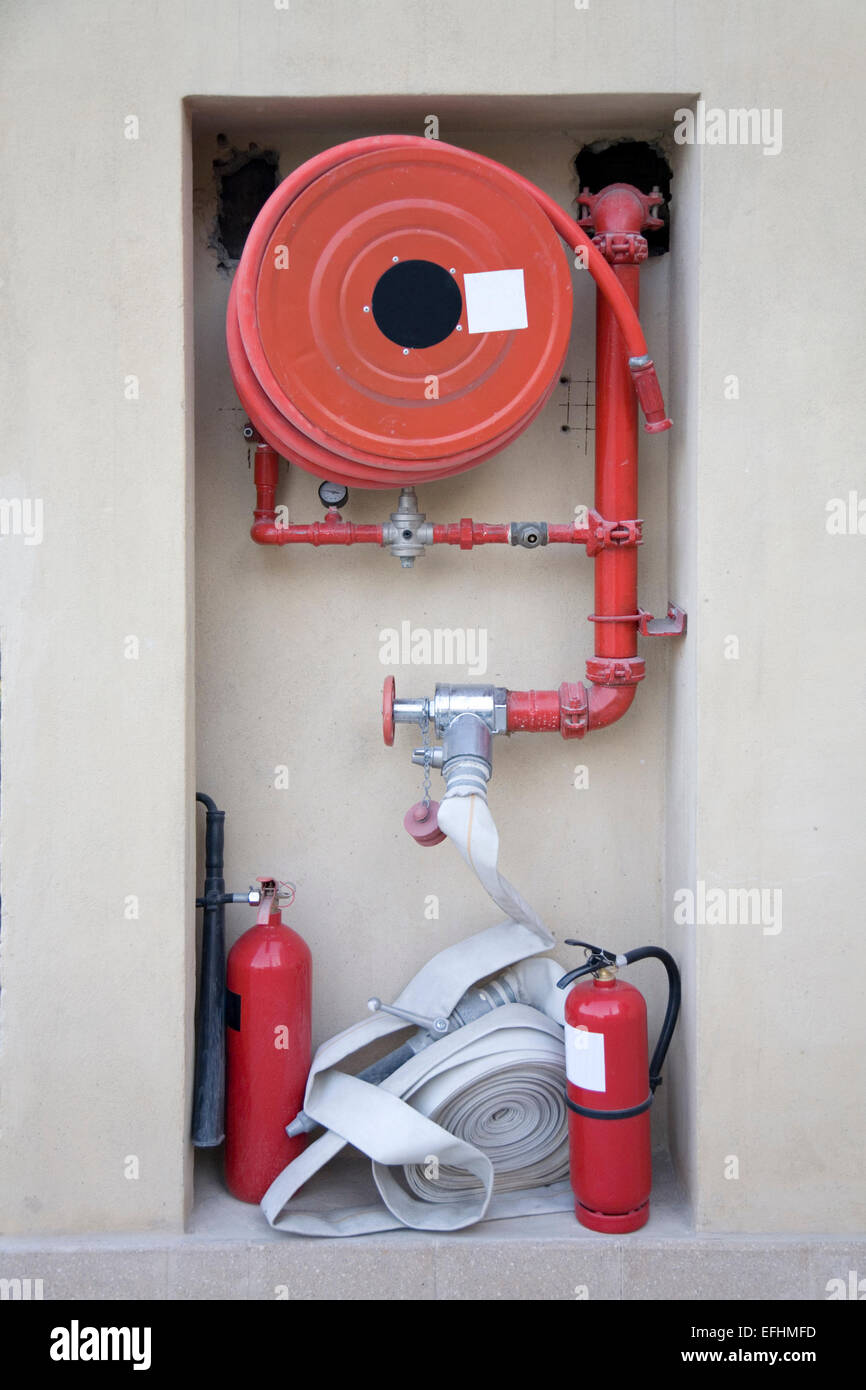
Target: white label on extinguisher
584 1058
495 301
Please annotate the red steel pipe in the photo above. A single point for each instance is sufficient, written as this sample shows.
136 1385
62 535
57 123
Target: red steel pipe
332 531
465 533
619 213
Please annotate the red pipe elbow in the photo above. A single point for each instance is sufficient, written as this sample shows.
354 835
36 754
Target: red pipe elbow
608 703
574 709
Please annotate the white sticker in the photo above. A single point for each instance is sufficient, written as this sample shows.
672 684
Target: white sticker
495 301
584 1058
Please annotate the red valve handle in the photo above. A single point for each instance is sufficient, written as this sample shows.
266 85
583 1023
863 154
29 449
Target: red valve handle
388 696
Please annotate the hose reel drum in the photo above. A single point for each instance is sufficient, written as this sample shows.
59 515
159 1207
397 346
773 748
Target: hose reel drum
398 315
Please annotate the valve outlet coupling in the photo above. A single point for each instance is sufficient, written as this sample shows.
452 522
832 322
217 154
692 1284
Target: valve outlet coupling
466 718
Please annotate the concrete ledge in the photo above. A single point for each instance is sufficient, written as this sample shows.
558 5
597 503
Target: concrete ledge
522 1264
230 1253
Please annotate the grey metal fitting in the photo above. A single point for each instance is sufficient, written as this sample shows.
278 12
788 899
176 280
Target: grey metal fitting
413 711
465 759
488 702
402 534
475 1003
467 776
529 534
466 718
467 756
467 736
433 757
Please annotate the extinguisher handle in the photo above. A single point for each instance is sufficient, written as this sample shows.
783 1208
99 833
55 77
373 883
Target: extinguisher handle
597 959
566 980
673 1006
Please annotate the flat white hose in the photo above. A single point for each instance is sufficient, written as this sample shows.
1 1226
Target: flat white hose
512 1110
473 1126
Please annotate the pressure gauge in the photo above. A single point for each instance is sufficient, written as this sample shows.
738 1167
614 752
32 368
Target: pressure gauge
333 494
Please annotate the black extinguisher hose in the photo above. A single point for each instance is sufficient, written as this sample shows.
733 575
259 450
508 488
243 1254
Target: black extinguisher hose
208 1123
672 1010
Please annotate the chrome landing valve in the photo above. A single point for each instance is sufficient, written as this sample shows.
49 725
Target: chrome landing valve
465 717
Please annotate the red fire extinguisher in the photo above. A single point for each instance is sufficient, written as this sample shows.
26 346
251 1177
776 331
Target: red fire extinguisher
268 1038
610 1086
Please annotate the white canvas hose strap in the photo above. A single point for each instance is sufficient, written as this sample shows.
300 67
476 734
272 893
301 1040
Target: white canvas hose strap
472 1126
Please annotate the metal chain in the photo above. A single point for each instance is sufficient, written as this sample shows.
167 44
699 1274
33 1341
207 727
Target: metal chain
425 739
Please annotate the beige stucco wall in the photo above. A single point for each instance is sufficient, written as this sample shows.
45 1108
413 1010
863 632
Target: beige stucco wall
737 773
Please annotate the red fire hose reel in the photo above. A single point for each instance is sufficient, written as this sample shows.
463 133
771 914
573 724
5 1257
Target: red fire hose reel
402 311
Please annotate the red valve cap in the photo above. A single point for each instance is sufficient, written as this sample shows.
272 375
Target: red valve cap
422 822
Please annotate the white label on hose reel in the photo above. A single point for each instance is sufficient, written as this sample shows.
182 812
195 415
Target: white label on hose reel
495 301
584 1058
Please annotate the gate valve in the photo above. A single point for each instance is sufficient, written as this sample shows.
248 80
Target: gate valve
486 703
465 717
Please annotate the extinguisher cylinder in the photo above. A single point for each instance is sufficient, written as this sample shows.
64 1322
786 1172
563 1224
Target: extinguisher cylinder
608 1072
268 1053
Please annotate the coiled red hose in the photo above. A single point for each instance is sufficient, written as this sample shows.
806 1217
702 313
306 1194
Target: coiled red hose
312 384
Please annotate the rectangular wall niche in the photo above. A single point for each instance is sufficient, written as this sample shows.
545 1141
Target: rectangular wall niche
290 640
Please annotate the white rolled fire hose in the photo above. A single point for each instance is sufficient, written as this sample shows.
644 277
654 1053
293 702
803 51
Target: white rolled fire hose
473 1126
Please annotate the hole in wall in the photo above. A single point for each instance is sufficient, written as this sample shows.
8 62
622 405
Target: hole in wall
640 162
245 180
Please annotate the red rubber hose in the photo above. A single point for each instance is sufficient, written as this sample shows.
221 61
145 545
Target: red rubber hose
494 384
